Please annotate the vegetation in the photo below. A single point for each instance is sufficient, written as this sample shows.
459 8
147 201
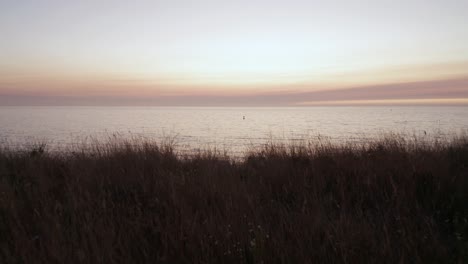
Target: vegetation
390 201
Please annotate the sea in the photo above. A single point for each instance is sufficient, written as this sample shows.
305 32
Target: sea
229 129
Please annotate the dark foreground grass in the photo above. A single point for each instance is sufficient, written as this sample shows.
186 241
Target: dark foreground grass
389 202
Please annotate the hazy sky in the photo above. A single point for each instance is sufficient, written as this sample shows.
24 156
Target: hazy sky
217 52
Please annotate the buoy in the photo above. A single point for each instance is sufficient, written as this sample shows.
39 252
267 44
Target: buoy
243 117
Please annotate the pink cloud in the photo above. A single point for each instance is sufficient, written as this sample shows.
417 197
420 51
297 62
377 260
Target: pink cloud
436 89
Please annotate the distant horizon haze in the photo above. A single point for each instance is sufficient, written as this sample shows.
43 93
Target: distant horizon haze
415 93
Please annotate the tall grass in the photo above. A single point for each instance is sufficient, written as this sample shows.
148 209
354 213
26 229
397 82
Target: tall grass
389 201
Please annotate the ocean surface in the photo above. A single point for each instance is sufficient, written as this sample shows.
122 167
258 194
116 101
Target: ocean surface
232 129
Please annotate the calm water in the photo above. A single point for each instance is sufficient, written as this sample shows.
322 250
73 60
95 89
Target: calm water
195 127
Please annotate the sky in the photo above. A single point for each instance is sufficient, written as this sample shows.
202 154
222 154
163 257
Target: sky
233 53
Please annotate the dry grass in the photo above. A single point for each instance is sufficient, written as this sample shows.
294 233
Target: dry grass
390 201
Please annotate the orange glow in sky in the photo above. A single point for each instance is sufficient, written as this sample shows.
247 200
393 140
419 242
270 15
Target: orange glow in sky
233 52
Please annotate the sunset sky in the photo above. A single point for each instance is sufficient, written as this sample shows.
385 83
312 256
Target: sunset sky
216 52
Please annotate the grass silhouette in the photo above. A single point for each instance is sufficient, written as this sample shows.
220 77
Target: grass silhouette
387 201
